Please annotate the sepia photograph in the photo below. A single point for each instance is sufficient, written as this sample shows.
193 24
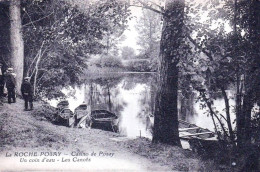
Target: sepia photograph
130 85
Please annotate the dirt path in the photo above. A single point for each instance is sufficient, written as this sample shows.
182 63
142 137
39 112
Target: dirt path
27 138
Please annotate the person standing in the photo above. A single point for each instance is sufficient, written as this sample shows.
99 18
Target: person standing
10 85
27 93
2 81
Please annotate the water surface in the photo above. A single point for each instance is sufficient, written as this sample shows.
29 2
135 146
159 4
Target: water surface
131 97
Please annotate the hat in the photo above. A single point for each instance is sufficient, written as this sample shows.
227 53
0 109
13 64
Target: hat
10 69
27 78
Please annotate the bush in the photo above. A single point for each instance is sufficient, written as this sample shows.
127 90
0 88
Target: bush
140 66
45 112
112 62
108 62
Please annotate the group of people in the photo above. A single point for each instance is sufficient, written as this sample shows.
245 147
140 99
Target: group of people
8 81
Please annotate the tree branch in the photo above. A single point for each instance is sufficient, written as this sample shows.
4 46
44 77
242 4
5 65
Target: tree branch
148 7
228 114
223 117
36 20
212 113
157 5
200 48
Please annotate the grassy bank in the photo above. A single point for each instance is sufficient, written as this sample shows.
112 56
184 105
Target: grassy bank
34 131
177 158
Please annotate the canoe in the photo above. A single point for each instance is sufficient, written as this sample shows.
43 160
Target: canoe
104 119
81 111
201 140
189 131
65 117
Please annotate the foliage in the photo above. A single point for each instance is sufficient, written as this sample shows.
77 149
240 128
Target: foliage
61 35
142 65
223 56
45 112
149 28
108 61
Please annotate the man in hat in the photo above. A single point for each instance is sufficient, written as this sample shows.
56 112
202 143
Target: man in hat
10 84
27 93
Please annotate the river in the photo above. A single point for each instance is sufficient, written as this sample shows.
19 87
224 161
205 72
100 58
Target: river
131 97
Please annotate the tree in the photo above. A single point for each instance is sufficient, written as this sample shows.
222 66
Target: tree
238 65
166 112
4 33
149 35
149 29
17 44
231 62
250 22
64 35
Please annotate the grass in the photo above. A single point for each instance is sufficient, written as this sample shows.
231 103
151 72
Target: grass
23 130
177 158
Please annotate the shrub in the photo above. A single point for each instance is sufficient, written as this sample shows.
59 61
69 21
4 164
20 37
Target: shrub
140 66
45 112
108 62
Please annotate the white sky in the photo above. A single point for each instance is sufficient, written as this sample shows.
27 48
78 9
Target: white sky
131 33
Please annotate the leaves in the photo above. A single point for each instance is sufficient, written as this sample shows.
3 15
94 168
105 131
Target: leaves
72 32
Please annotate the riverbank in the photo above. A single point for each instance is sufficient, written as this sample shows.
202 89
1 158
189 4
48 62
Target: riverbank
25 131
95 72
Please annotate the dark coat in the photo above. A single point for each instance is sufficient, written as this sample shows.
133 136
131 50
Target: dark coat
26 89
2 78
10 80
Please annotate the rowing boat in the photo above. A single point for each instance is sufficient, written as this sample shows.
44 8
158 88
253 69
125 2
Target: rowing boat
189 131
201 140
64 116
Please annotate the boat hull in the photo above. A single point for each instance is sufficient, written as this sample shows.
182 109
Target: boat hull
105 120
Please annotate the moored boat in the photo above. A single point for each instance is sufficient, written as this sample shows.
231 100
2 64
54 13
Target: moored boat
201 140
189 131
64 116
81 111
105 120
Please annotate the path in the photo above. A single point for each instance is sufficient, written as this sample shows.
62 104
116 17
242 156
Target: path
22 132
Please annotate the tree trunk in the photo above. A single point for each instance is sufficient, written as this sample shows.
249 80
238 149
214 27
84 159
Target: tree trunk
4 34
16 40
166 112
231 133
252 80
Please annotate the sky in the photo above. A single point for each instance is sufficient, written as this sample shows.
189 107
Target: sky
131 33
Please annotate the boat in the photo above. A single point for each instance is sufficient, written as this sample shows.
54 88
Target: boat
81 111
104 119
201 140
189 131
82 116
64 116
62 104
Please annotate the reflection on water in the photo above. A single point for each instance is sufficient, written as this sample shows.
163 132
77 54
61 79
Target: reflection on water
201 117
131 97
